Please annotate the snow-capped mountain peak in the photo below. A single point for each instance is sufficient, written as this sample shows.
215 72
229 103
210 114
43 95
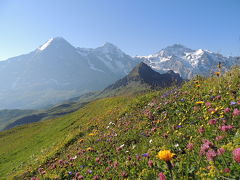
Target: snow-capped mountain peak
44 46
187 62
56 42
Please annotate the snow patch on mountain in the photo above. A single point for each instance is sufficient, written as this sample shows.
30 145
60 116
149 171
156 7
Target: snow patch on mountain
44 46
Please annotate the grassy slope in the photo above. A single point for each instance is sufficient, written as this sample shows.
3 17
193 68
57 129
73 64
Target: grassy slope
147 124
33 143
154 122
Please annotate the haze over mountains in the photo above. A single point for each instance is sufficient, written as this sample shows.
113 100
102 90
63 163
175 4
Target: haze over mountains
57 71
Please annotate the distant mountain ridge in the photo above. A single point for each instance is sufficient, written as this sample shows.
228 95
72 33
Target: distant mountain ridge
187 62
57 71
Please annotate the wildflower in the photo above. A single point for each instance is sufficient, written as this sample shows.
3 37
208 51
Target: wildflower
218 138
217 74
232 103
197 85
91 134
226 128
190 146
211 154
96 177
150 141
201 130
150 163
122 145
236 112
115 164
89 149
220 151
89 171
207 104
236 155
227 110
212 110
165 155
226 170
145 155
199 102
124 174
162 176
80 140
212 121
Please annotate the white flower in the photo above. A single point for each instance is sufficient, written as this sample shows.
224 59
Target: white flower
133 147
150 141
75 157
176 145
122 146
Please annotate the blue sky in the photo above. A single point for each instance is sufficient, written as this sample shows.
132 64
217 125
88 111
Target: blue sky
138 27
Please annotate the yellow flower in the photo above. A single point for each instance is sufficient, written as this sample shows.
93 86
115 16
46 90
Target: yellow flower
217 73
165 155
89 149
91 134
80 140
198 85
199 102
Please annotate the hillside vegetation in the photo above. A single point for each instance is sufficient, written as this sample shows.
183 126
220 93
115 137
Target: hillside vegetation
190 132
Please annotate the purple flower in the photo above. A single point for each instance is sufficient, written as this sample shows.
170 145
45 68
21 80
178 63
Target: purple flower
145 155
232 103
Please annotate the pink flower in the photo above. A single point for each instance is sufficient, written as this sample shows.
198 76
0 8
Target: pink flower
226 128
220 151
212 121
227 110
236 155
205 146
236 112
207 104
211 110
218 138
96 177
201 130
211 154
162 176
190 146
226 170
150 163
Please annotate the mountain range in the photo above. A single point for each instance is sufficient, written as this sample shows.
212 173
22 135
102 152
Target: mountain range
141 79
57 71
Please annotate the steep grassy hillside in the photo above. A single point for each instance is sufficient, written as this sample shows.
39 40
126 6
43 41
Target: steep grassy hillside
30 145
190 132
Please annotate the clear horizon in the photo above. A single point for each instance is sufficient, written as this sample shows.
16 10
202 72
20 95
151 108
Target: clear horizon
136 27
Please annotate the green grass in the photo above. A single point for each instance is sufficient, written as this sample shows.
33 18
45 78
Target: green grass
29 145
125 135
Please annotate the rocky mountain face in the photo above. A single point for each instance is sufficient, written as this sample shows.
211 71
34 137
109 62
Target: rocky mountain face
57 71
187 62
144 75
